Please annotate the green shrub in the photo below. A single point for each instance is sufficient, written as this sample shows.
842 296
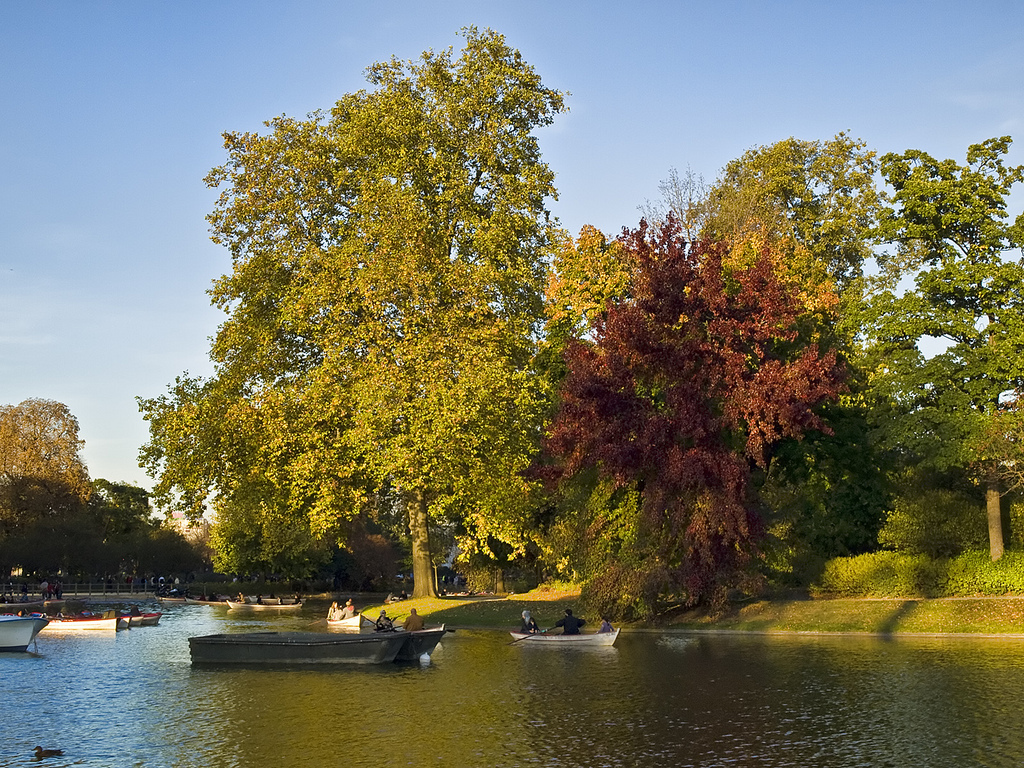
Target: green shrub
880 574
892 574
937 522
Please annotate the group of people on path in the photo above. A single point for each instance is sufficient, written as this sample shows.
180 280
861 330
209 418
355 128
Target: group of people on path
570 624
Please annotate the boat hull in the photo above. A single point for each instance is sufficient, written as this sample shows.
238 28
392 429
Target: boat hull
263 606
17 632
83 625
295 648
599 639
422 641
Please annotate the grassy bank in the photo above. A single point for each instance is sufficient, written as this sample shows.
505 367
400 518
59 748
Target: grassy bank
890 616
487 612
982 616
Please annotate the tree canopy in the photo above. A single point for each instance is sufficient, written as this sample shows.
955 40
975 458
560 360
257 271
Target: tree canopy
689 383
950 233
382 307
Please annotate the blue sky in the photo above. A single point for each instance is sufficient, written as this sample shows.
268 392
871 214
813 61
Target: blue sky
111 115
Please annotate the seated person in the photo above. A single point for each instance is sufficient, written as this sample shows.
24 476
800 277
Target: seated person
349 610
414 622
383 623
334 612
606 626
570 624
529 624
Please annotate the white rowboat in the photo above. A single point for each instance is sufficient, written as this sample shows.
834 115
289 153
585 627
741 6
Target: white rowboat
16 632
541 638
92 623
264 606
359 621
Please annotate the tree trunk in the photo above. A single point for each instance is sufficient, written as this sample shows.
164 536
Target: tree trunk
995 518
422 568
499 582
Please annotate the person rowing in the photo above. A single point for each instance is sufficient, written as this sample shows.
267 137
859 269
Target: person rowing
570 624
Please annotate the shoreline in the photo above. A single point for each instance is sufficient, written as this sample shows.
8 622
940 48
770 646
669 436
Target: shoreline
996 617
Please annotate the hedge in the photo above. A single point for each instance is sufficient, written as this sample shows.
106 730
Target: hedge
893 574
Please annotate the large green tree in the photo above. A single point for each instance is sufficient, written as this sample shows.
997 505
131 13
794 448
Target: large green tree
819 194
382 308
949 349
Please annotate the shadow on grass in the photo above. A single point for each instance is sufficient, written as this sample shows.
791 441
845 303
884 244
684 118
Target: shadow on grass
892 622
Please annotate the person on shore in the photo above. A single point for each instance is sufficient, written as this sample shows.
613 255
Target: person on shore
414 622
570 624
349 611
529 624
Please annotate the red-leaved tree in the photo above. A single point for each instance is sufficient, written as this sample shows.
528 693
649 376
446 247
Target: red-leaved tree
687 385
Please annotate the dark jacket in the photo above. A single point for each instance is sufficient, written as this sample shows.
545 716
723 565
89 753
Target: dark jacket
529 627
570 625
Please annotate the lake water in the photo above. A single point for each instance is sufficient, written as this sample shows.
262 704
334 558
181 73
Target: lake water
134 699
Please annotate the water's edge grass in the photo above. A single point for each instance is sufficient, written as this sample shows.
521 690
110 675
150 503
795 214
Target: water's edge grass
889 616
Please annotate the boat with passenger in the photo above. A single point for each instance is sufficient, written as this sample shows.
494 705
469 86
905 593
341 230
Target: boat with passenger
266 604
543 638
352 623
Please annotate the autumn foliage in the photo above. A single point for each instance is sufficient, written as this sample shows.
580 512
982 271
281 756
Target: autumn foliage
688 385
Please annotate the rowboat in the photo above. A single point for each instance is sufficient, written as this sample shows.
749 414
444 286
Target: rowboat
16 632
79 623
296 648
540 638
172 598
422 641
357 622
150 619
197 601
265 606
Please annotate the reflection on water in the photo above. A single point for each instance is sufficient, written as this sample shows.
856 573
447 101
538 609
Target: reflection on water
681 700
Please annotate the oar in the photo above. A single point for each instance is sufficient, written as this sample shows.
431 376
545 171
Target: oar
531 634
